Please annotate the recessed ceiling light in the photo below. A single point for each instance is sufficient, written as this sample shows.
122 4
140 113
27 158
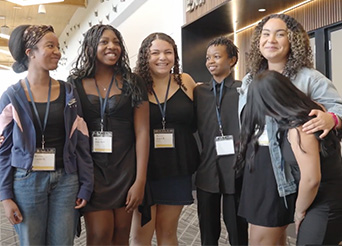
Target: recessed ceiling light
2 17
261 10
33 2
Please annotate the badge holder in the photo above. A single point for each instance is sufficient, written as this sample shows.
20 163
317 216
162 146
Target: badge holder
224 145
164 138
44 159
102 142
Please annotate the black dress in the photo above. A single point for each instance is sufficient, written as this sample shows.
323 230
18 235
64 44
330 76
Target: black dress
322 224
260 202
114 173
170 169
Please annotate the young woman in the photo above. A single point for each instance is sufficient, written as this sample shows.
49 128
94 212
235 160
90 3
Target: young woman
316 163
281 44
117 114
45 164
173 150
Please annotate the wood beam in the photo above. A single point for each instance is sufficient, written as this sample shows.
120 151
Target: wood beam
3 42
81 3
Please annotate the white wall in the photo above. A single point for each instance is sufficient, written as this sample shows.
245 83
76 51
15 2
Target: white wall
153 16
135 19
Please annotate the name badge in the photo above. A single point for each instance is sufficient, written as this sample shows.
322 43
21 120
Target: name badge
164 138
224 145
102 142
44 160
263 139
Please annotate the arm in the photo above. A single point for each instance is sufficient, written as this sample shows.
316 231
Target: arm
84 159
189 84
142 135
12 211
323 121
310 170
322 90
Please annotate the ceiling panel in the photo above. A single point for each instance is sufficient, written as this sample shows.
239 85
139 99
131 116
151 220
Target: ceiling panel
58 15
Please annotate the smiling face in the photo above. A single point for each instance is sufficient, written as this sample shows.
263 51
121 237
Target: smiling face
46 53
274 41
108 49
218 62
162 57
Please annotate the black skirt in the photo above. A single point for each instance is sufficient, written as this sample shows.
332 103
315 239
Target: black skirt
260 202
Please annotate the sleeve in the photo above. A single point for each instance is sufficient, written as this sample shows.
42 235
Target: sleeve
324 92
84 159
6 130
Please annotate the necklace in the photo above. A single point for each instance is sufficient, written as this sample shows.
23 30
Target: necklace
103 88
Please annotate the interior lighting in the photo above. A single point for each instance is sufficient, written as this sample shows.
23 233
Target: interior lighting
41 9
281 12
33 2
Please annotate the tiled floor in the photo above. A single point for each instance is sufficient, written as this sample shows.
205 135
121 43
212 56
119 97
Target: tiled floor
188 232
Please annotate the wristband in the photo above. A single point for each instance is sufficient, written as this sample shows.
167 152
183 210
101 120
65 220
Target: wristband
335 119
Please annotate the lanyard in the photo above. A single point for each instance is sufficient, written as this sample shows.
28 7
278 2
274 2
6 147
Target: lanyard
163 110
218 106
104 103
42 127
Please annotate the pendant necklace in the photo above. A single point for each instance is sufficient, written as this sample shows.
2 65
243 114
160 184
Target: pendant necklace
104 88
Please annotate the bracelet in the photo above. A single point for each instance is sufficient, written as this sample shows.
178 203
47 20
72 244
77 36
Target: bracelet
335 119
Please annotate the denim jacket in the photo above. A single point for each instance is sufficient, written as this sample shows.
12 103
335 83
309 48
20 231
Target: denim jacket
321 90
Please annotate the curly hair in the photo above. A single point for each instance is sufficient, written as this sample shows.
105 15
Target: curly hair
142 66
231 48
85 65
300 54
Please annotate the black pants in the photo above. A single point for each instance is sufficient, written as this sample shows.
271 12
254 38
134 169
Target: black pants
209 211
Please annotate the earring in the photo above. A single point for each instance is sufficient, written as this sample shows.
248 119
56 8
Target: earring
172 69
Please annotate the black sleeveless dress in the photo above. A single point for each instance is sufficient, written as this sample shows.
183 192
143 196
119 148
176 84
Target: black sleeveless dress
114 173
170 169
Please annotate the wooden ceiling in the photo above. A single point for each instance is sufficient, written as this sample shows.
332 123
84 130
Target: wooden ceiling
58 15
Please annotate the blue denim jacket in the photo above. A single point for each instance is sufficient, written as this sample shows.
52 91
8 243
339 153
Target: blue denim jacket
321 90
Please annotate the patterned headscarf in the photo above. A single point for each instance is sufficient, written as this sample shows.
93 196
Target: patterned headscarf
34 33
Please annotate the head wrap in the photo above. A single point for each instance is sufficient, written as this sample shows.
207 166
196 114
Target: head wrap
34 33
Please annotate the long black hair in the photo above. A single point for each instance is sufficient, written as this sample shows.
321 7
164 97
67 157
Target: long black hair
271 94
85 65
